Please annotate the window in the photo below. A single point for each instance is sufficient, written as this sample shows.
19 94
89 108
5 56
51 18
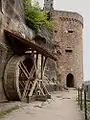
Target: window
51 5
67 50
70 31
55 31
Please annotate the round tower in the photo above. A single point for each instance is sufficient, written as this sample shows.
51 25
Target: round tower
48 4
67 38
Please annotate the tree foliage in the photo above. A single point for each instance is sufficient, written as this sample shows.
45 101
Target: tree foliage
35 17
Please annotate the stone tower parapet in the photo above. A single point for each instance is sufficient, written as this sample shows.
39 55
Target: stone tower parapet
68 16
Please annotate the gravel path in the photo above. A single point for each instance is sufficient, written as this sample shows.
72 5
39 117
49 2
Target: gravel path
62 106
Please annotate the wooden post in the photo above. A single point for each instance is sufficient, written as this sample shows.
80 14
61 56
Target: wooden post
41 66
78 96
37 60
44 62
85 104
81 99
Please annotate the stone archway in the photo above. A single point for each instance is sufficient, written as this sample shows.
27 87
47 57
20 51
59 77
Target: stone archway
70 80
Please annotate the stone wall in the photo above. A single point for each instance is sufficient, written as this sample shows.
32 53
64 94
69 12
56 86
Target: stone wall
67 38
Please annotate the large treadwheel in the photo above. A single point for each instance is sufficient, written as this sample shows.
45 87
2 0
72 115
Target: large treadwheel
19 72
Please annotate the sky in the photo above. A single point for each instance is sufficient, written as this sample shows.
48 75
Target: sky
82 7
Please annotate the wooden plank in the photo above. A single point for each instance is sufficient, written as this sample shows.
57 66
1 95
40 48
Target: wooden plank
37 60
41 66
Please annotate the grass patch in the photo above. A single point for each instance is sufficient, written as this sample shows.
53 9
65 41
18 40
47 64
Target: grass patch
5 112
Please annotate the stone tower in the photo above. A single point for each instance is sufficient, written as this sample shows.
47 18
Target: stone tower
67 39
48 4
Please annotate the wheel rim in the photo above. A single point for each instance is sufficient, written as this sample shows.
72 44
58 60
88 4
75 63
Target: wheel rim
17 76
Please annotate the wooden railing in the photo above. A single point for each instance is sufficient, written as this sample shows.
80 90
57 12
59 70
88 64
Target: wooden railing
84 102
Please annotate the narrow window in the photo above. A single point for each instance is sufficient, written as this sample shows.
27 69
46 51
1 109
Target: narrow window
55 31
68 51
70 31
51 5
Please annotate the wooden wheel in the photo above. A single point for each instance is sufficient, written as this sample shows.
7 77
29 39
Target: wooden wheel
18 77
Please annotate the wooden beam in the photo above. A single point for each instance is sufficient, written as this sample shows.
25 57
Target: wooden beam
29 44
44 62
37 60
41 66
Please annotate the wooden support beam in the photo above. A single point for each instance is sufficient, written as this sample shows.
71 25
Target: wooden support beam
28 44
42 58
44 62
37 60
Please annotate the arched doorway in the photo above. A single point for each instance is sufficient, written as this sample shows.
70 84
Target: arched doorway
70 80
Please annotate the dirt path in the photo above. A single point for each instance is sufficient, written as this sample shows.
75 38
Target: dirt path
62 106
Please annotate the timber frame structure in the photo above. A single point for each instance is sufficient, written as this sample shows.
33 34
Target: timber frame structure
23 77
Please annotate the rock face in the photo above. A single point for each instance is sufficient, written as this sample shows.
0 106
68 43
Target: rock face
11 18
67 37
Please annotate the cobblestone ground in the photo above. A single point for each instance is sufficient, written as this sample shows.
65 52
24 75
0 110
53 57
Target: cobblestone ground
62 106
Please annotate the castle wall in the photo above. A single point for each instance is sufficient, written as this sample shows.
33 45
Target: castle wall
67 37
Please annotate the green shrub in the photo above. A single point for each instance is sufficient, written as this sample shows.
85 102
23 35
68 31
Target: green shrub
35 17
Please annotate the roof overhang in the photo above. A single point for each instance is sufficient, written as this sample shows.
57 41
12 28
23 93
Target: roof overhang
20 45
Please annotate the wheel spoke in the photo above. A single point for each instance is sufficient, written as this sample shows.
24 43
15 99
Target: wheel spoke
23 70
29 76
25 90
21 83
27 86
